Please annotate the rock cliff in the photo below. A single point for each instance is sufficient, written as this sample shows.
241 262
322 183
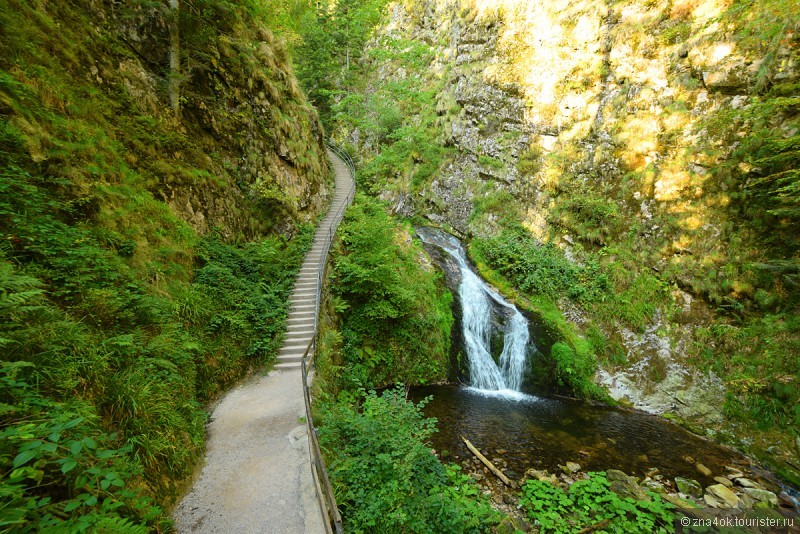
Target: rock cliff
243 154
621 132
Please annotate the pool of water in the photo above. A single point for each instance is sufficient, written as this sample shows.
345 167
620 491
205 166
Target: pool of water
543 433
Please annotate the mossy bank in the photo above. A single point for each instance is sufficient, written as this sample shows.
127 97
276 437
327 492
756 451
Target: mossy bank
147 245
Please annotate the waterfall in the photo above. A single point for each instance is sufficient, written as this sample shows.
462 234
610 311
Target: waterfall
477 300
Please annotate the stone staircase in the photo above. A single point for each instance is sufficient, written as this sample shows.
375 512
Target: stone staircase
303 311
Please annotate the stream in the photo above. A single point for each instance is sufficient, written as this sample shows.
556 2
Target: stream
519 430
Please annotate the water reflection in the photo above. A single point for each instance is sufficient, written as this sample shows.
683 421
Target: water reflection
545 432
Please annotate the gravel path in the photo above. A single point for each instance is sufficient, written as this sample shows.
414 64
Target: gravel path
257 473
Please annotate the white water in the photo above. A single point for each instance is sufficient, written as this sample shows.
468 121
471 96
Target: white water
476 302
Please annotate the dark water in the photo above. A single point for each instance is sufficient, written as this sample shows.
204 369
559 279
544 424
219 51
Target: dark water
544 432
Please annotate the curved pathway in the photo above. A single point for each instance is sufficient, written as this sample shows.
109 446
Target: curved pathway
257 473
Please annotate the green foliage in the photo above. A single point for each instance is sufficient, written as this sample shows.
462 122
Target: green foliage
760 366
62 472
140 361
400 119
636 296
774 183
575 368
387 478
540 268
498 202
326 39
117 320
490 162
530 161
593 218
386 300
590 503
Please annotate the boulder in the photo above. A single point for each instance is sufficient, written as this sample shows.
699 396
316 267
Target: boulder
653 485
724 481
747 483
570 468
625 486
689 487
678 502
718 496
759 498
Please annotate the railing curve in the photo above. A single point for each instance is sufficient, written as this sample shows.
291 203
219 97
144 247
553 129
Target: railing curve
327 500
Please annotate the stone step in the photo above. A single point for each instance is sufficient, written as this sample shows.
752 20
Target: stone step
301 321
292 352
287 359
296 344
298 335
305 309
305 289
306 286
288 366
301 315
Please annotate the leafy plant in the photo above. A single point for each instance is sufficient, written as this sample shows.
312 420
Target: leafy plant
540 268
61 471
385 299
387 478
591 504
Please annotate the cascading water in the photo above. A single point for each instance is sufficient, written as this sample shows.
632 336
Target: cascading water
478 314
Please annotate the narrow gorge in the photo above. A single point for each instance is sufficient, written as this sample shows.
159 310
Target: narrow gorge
575 242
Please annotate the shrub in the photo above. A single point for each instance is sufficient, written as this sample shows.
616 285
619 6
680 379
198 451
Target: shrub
385 300
540 268
387 478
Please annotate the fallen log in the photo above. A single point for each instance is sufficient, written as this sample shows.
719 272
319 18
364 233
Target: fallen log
597 526
488 464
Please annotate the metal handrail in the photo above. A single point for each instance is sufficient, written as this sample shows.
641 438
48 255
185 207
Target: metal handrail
333 521
343 155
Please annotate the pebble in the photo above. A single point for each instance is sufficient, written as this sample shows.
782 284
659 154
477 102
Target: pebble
724 481
747 483
703 470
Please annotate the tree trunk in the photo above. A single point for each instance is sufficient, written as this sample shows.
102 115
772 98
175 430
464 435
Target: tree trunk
174 56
